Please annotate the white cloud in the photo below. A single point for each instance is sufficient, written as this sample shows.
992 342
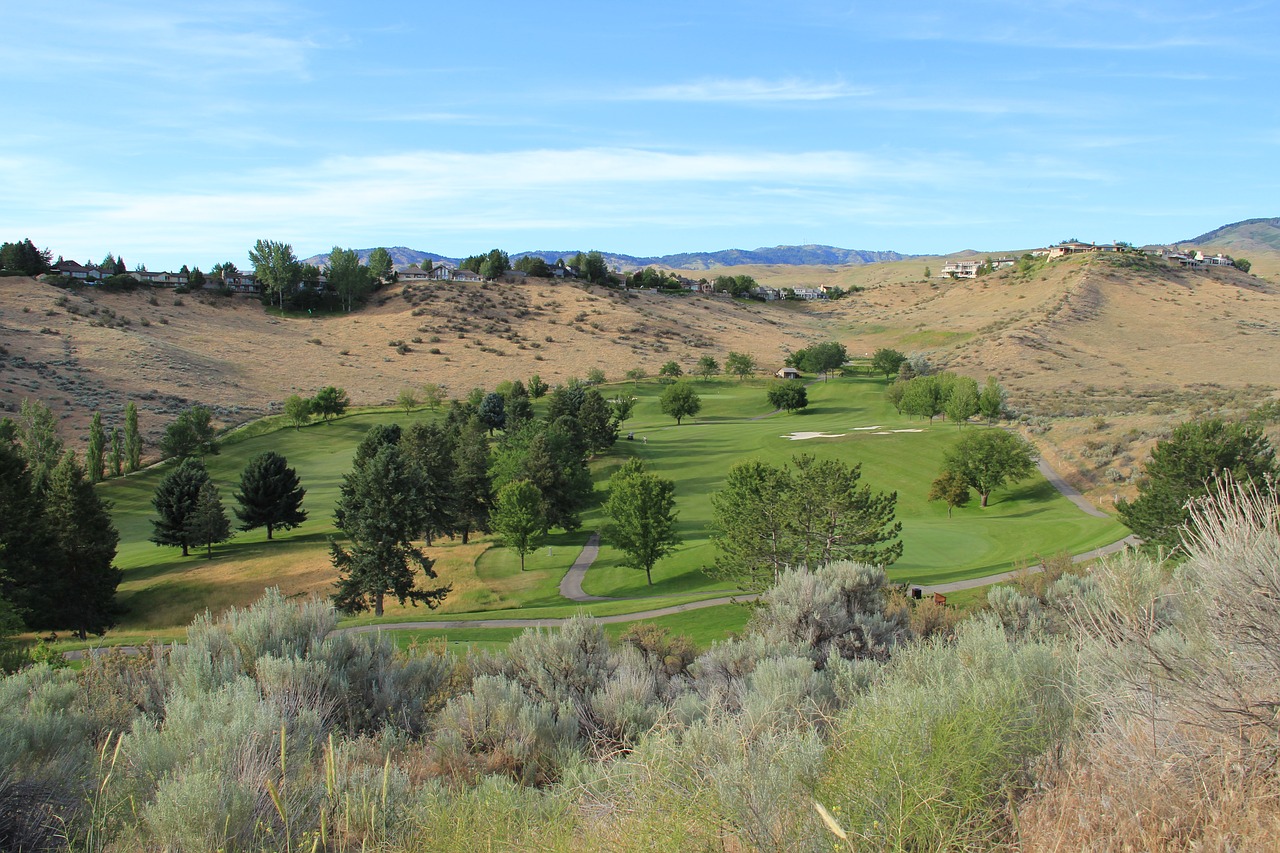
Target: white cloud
747 90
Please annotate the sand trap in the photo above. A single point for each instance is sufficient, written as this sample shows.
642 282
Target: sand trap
882 433
859 429
908 430
804 436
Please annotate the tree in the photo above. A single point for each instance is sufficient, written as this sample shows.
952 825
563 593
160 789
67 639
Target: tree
196 280
894 393
472 484
96 453
987 459
380 266
330 402
599 426
962 400
707 367
623 405
24 257
380 512
740 364
680 401
991 401
191 434
346 276
207 524
432 395
595 376
887 361
923 396
1242 264
82 578
117 452
670 370
537 388
429 447
276 269
642 516
520 518
768 519
270 494
519 406
594 268
24 537
298 410
824 358
132 438
952 488
555 462
175 500
1187 466
788 396
493 411
635 374
38 441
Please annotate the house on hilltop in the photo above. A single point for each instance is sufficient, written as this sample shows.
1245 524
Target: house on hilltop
961 269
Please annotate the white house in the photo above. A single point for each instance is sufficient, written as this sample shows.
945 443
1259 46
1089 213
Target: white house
787 373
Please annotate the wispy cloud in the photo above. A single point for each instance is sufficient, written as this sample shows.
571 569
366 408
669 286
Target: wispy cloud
746 90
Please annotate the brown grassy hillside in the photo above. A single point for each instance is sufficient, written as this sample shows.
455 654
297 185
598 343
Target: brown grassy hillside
85 350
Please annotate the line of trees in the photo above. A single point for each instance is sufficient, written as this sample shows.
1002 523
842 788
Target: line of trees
57 540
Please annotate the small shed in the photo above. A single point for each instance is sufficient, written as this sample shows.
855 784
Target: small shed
787 373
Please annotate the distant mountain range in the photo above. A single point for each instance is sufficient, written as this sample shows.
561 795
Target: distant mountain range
782 255
1258 236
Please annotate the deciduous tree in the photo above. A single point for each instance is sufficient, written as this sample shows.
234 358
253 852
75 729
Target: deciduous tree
330 402
887 361
276 269
952 488
991 400
788 396
740 364
132 438
192 434
986 459
707 367
680 401
298 410
270 495
348 277
670 371
520 518
642 516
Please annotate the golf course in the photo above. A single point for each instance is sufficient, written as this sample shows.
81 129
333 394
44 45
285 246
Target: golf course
847 418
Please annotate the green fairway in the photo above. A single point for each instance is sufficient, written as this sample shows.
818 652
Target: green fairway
163 590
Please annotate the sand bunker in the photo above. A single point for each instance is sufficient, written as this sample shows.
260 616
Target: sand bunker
803 436
908 430
859 429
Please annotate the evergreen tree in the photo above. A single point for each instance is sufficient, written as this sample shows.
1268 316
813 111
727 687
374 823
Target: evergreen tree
429 448
175 500
270 495
599 426
82 581
472 485
493 411
96 454
381 514
207 524
24 540
132 439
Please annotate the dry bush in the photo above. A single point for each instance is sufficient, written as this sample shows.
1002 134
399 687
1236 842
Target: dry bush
1187 667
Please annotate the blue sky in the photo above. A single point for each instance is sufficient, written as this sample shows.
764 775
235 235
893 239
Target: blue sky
178 133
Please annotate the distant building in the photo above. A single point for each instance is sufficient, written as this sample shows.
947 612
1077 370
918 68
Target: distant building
808 293
787 373
961 269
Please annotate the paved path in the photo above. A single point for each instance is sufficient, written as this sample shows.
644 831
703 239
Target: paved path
956 586
571 583
1066 490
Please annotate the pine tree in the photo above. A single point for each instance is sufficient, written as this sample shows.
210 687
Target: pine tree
24 540
472 484
96 455
207 524
380 512
81 578
132 439
175 500
270 495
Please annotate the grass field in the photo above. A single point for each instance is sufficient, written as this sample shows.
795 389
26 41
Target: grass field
163 590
